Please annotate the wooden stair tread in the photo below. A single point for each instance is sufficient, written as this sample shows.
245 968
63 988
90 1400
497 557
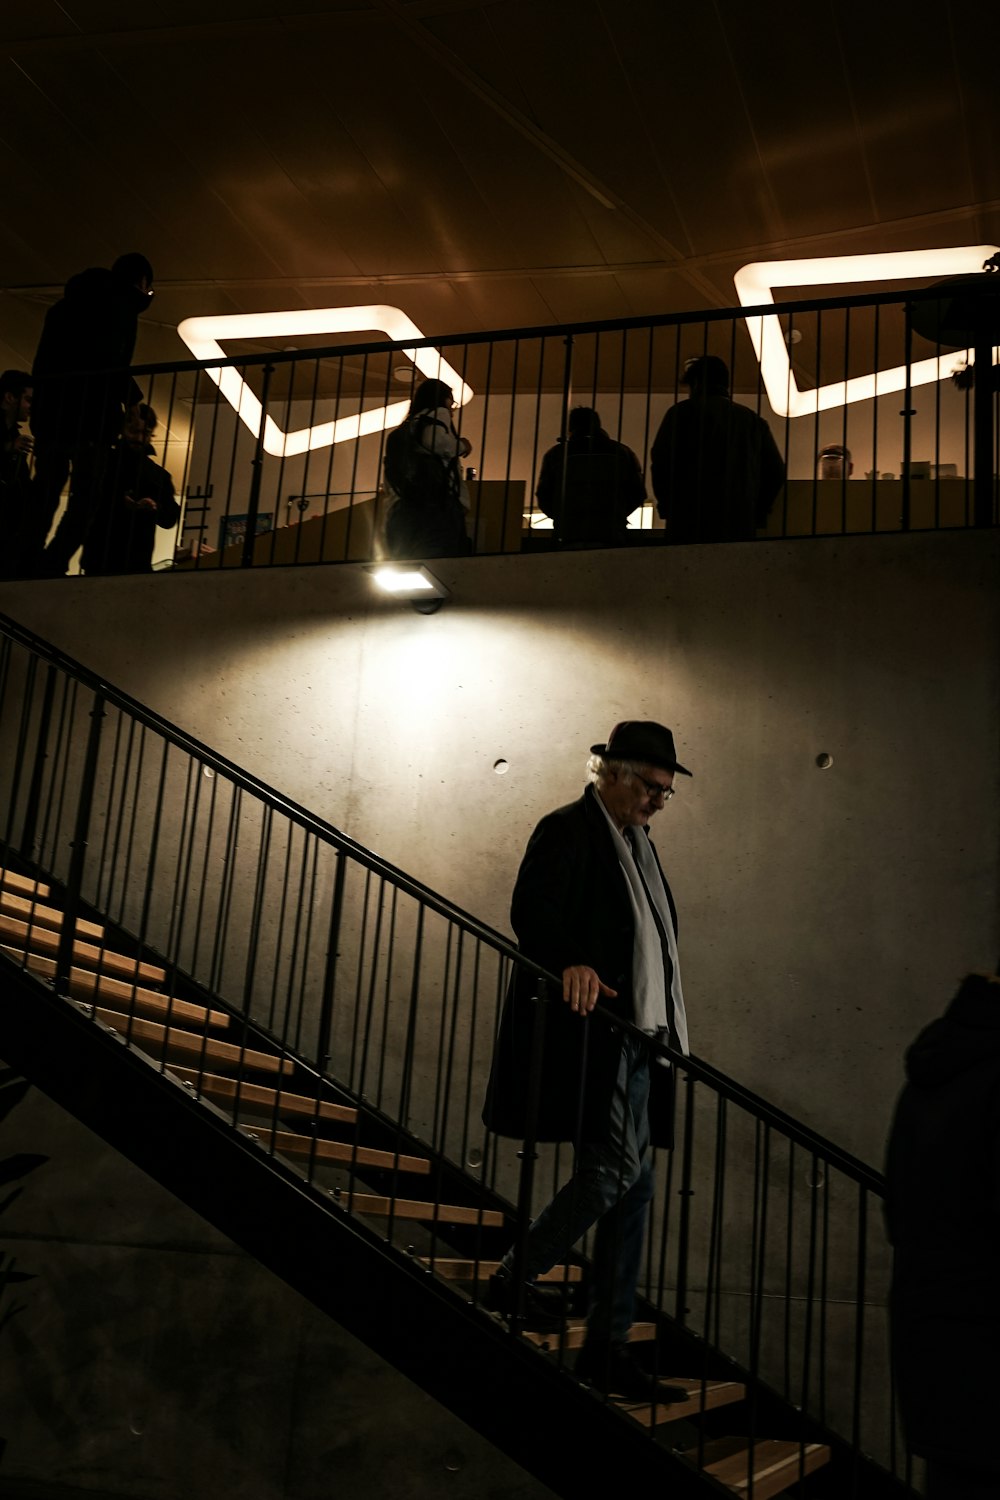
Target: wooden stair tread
44 940
30 910
85 984
23 883
260 1096
407 1208
777 1463
572 1335
701 1397
318 1149
482 1270
139 1030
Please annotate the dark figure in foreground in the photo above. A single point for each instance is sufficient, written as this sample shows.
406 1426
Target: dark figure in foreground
423 477
589 484
715 465
82 392
139 498
16 489
591 904
943 1217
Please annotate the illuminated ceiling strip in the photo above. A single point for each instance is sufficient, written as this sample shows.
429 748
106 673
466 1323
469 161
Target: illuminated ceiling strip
754 285
203 337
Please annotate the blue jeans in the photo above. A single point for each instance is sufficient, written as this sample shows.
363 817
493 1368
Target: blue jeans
611 1187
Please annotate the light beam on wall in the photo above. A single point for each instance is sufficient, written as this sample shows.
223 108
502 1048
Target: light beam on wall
754 284
203 337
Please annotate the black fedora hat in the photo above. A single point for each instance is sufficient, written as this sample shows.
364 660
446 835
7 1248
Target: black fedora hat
643 741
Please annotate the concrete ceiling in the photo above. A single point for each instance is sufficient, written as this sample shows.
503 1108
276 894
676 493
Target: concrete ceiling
481 163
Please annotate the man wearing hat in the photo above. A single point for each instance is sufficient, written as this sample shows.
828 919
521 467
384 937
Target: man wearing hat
591 905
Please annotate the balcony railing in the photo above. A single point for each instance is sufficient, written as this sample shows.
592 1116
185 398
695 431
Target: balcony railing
295 475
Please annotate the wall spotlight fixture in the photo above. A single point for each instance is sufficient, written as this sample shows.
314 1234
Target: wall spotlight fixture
411 582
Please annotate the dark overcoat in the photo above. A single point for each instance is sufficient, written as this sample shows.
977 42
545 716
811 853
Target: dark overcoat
571 906
943 1217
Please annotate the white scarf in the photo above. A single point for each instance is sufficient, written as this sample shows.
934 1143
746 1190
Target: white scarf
646 893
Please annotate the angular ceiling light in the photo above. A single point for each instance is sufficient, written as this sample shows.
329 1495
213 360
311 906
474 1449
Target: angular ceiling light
203 336
754 285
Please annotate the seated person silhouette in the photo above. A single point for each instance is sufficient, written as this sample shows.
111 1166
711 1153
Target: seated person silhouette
834 462
140 497
715 465
589 484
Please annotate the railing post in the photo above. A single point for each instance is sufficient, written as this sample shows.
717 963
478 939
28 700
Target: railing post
567 396
253 502
81 833
330 974
982 436
34 798
907 416
685 1192
529 1147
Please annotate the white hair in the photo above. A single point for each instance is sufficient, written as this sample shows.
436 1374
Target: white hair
600 767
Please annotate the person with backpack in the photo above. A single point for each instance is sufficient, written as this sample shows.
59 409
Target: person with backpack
423 479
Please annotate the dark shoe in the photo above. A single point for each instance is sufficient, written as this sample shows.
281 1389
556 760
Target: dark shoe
614 1371
542 1308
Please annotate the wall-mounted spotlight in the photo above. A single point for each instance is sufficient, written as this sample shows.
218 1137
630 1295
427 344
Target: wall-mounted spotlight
411 582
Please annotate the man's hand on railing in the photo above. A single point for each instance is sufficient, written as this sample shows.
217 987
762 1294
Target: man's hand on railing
582 989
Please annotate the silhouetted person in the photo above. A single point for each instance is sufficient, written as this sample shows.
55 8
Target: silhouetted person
716 468
423 477
834 462
140 497
589 484
943 1217
82 391
16 488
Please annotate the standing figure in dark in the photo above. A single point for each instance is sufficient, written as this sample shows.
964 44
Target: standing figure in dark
589 484
591 905
423 479
16 488
139 498
715 465
943 1216
82 392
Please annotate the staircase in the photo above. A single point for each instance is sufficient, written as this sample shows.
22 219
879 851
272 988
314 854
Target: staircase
359 1169
311 1086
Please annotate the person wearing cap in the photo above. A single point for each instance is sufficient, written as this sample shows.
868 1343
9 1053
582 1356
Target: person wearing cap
592 906
715 465
834 462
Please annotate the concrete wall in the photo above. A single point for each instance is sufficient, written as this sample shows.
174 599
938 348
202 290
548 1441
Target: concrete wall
825 914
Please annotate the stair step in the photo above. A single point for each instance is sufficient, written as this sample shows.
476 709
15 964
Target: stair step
30 910
482 1270
318 1149
573 1335
85 984
43 940
702 1396
406 1208
776 1463
258 1095
11 881
139 1030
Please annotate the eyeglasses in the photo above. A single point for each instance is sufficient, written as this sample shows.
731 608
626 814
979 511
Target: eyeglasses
654 789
